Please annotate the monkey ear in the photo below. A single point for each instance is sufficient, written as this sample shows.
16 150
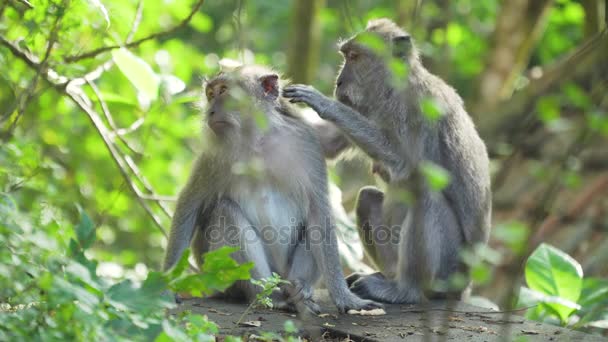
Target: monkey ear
402 46
270 84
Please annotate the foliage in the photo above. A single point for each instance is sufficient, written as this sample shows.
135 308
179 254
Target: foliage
124 163
50 290
267 285
557 287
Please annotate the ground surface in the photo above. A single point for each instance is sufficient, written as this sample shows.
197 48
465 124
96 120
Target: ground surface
437 321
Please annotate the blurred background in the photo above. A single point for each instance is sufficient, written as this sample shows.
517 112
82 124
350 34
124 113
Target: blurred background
118 139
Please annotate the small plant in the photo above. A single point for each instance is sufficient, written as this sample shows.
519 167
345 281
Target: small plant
263 299
50 290
560 293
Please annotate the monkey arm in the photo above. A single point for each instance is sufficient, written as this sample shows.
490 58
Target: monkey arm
322 239
332 139
190 204
360 130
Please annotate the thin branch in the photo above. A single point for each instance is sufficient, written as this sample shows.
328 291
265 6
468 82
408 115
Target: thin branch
159 198
80 99
136 20
511 113
132 128
24 98
146 184
157 35
591 192
73 91
106 112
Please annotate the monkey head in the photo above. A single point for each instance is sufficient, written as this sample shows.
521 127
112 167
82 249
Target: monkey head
366 73
239 99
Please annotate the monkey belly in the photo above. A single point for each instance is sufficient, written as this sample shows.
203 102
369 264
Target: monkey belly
277 219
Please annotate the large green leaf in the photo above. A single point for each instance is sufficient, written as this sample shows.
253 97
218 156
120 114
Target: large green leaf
556 274
138 72
218 272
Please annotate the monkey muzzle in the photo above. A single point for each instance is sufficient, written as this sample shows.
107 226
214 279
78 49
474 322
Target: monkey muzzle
218 125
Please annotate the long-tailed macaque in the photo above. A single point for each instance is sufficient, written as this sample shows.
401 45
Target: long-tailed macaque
261 184
416 246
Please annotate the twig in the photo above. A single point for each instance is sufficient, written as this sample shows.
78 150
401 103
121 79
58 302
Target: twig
106 112
157 35
136 20
25 97
594 190
511 113
132 128
146 184
78 97
155 197
239 30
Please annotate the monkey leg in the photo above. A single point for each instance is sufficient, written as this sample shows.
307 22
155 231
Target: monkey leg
428 254
377 230
303 275
228 226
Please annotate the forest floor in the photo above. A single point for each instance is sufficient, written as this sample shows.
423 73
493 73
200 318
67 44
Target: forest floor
437 321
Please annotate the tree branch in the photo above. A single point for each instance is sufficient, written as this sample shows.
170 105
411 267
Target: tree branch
508 115
162 34
75 93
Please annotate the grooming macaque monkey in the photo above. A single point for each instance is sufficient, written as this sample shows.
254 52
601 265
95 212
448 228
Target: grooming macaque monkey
380 112
261 184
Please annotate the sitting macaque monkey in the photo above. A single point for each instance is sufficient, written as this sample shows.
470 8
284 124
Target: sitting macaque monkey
261 184
416 247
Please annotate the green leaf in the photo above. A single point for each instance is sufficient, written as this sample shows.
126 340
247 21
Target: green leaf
542 304
138 72
85 230
548 109
436 176
201 22
126 296
217 273
431 109
556 274
513 234
454 34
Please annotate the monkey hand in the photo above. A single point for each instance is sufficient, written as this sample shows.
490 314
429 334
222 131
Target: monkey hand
301 93
299 294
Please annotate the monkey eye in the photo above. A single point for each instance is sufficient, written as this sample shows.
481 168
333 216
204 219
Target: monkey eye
209 93
351 55
223 89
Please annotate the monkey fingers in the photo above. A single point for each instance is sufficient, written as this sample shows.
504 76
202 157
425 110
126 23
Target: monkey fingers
299 93
298 291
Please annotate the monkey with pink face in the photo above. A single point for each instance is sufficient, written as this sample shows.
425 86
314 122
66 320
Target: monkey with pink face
261 184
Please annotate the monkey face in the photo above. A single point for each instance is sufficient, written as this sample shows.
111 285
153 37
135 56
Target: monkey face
220 118
361 73
370 61
237 100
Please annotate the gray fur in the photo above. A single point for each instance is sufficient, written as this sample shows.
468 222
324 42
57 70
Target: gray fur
383 118
278 213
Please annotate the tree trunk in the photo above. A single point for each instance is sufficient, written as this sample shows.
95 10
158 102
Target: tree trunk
519 25
303 56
